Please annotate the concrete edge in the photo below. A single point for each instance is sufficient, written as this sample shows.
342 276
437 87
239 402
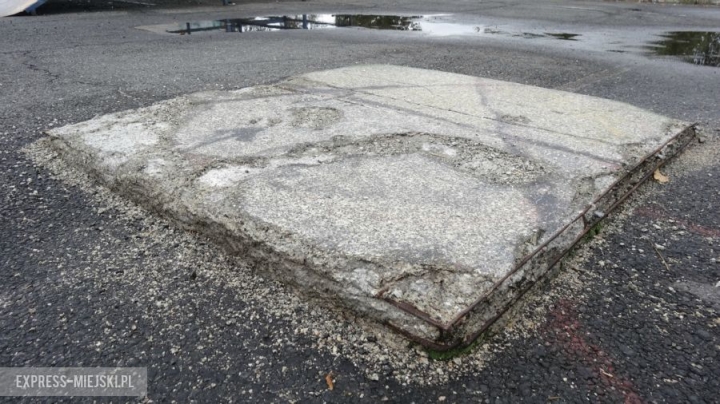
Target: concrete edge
478 318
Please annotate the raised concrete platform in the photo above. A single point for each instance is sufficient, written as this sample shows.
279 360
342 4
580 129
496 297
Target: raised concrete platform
427 201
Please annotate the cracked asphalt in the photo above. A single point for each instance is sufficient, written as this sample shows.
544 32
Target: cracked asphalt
89 280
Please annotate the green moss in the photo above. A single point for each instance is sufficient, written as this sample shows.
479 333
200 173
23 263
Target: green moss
595 230
453 353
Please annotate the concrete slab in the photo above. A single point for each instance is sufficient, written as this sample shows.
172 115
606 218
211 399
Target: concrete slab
427 201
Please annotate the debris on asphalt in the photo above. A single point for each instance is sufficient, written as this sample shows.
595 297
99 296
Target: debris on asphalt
330 380
660 177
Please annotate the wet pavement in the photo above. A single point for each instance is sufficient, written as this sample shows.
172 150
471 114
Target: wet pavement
304 21
89 280
697 47
434 25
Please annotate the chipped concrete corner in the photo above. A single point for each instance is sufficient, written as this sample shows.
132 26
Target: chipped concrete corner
427 201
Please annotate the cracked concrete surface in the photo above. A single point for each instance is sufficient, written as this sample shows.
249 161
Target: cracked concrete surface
375 187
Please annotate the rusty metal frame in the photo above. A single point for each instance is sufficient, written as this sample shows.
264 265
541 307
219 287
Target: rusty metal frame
683 138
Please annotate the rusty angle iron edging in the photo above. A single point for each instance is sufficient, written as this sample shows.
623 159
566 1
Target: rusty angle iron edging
689 133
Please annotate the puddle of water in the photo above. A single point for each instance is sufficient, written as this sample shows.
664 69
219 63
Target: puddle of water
250 24
304 21
700 48
430 24
566 36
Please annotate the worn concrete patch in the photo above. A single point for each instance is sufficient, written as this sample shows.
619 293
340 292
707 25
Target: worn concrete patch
427 201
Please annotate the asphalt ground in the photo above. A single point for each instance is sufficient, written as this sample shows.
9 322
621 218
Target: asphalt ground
90 280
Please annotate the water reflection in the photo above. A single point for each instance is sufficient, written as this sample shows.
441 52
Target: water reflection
700 48
393 22
304 21
252 24
430 24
